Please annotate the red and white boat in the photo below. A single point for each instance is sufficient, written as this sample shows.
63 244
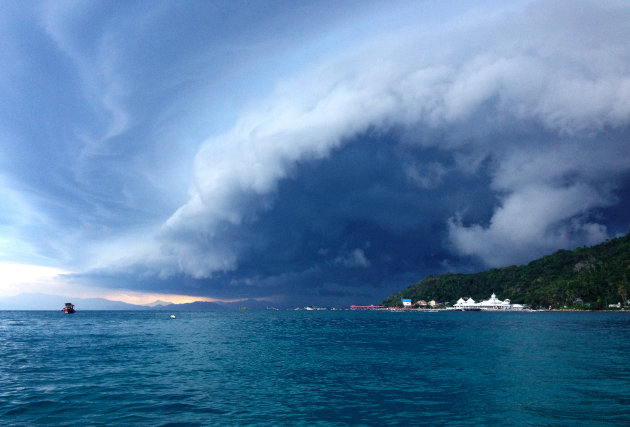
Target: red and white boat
69 308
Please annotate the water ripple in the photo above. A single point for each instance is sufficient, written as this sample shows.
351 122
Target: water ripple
313 368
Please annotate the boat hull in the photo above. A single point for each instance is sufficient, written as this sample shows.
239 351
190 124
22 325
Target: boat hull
69 308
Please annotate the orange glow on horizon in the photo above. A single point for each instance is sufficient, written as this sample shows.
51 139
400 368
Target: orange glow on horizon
141 298
28 278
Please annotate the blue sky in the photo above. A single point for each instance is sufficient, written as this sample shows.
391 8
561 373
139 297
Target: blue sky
320 153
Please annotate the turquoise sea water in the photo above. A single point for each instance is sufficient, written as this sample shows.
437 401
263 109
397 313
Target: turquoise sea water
314 368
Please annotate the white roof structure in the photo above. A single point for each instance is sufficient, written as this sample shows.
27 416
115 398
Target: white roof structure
490 304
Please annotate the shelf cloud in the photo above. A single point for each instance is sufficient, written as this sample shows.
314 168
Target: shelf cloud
318 155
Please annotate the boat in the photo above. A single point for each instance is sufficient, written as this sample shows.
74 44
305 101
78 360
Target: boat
69 308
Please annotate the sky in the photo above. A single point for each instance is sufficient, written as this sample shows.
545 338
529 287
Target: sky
304 153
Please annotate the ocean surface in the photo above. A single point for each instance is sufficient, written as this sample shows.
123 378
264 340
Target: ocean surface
314 368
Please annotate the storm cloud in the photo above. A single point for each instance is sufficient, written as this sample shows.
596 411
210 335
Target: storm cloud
340 162
548 107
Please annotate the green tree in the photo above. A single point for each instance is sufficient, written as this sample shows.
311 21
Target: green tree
596 274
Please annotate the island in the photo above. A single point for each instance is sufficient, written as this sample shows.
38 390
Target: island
585 278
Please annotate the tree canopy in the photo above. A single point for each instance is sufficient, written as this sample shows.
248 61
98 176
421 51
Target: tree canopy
587 276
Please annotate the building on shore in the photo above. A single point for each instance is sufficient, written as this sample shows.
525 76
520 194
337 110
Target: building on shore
492 304
370 307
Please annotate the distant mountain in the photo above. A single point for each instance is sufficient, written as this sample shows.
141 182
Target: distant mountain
56 302
191 306
589 276
203 306
158 303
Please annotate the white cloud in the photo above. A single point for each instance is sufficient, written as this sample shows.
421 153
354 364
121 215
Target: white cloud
427 176
559 67
352 259
516 70
24 278
95 57
531 222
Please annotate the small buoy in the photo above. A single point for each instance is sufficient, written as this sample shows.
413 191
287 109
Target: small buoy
172 316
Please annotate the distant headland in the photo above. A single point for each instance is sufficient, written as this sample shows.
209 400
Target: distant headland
586 278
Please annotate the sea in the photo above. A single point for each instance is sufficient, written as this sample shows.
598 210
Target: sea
313 368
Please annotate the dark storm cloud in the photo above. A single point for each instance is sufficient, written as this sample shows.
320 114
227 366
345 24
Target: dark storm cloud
345 160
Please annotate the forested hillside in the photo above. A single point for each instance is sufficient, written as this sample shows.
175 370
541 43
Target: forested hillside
597 275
